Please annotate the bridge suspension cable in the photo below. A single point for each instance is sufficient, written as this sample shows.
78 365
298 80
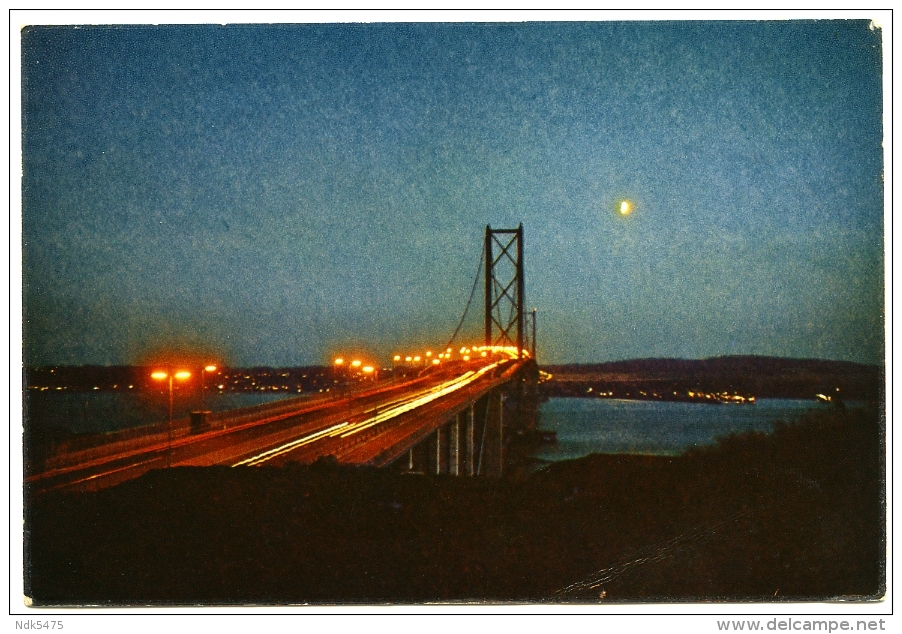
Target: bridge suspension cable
469 301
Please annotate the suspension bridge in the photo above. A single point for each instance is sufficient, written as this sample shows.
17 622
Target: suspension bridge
456 417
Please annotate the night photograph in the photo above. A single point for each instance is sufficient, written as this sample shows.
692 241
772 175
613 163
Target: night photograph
398 312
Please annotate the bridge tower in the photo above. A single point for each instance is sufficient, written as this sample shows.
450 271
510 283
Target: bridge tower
504 288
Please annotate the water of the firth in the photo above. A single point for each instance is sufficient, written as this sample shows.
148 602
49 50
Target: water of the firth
595 425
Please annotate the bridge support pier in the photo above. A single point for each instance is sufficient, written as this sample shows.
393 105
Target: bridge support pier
442 447
484 436
454 446
461 457
490 457
469 462
473 441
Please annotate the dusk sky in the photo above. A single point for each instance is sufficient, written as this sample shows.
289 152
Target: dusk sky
273 195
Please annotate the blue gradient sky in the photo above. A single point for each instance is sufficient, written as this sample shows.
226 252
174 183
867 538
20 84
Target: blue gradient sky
273 195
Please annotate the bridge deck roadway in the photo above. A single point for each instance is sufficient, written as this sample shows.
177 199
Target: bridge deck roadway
371 427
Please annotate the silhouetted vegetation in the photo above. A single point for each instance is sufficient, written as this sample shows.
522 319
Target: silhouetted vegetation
799 514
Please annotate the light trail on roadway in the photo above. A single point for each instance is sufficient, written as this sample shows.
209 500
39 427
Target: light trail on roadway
395 408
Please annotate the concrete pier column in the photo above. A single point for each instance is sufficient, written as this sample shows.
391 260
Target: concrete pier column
480 417
438 451
454 446
469 449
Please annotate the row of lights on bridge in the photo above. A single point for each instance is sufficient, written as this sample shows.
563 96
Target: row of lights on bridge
429 358
466 354
426 358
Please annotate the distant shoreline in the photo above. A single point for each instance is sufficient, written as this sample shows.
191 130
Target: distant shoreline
675 379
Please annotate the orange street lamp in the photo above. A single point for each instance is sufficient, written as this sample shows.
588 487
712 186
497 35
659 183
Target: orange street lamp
203 384
181 375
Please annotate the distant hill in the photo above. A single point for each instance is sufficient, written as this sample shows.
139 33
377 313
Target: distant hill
759 376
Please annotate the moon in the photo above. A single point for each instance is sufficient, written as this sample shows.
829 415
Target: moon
625 207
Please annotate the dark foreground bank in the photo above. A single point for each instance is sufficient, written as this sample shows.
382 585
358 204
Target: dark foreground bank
795 515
